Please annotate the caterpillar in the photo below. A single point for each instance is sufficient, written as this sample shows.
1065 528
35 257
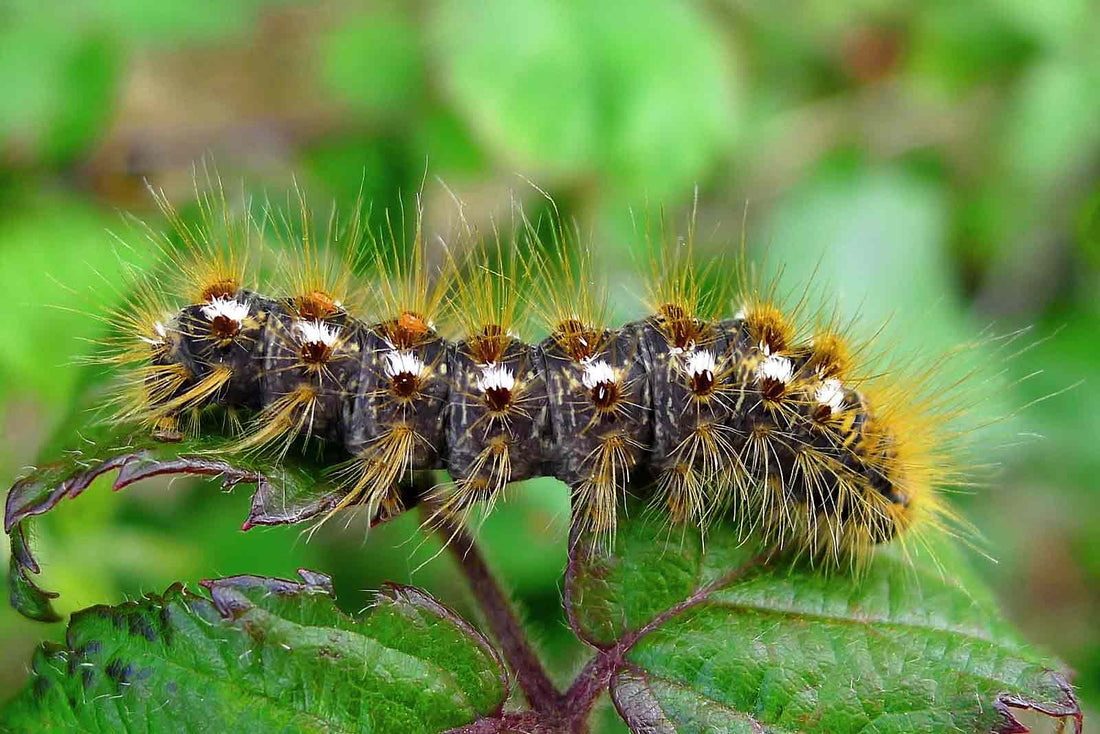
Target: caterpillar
722 405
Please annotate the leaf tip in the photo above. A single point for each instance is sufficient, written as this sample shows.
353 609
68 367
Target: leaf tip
1064 706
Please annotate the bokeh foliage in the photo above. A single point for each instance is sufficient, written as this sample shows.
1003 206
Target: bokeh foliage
936 163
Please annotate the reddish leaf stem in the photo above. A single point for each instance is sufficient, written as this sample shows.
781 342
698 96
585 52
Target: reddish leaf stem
540 691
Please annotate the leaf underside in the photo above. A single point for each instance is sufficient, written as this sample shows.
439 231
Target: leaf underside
720 640
263 654
292 490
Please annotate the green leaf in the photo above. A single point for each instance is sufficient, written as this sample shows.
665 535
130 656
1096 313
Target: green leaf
290 491
263 654
722 640
90 80
647 99
56 238
373 62
526 90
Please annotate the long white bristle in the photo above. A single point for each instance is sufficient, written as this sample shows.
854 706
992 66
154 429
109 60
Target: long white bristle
495 377
399 362
230 308
775 368
596 373
318 332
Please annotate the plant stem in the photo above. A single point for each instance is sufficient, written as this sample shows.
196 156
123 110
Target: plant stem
540 691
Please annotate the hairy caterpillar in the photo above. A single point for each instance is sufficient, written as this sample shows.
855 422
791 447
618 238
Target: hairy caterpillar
768 417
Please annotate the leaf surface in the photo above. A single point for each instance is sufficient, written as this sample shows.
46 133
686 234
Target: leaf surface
291 491
568 93
723 640
263 654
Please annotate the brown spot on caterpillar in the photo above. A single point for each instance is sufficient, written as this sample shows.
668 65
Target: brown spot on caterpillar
405 371
828 400
224 328
682 329
603 386
404 384
498 399
497 385
314 353
225 318
315 305
222 288
700 367
412 325
702 383
606 395
407 331
576 340
773 375
318 341
772 389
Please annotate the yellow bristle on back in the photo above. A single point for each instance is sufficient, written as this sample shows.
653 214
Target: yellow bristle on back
569 301
318 267
487 304
411 283
685 297
211 257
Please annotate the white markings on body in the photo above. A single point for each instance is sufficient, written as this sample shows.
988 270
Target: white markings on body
775 368
701 363
230 308
495 377
317 332
830 393
398 363
596 373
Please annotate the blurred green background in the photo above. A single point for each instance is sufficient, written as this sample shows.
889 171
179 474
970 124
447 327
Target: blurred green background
935 162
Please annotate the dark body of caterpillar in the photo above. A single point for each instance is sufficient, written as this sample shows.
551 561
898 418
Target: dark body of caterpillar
733 421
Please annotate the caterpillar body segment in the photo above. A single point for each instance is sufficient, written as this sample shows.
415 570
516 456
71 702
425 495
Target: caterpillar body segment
753 419
394 421
497 418
600 416
693 396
